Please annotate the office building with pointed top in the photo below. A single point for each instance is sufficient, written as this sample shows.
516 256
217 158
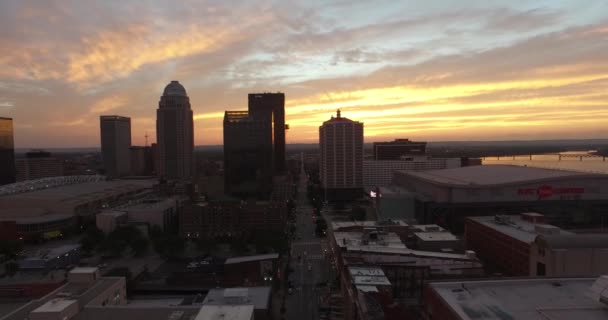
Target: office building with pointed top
175 134
115 132
341 158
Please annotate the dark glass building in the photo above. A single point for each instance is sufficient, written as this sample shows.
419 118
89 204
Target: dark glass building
397 149
7 152
248 155
271 107
115 133
175 134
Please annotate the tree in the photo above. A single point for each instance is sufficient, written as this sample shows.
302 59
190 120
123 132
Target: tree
139 246
169 245
11 248
11 268
91 239
358 213
321 226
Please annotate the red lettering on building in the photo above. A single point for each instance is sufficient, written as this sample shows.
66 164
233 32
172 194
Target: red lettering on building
546 191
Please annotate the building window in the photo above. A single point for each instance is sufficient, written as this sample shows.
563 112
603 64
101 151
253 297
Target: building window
541 251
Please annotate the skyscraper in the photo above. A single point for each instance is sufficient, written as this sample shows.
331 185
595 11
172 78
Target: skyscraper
115 144
7 151
341 158
175 133
271 107
248 155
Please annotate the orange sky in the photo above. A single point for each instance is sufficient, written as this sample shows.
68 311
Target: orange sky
470 71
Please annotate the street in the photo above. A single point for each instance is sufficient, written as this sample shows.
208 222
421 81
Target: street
310 270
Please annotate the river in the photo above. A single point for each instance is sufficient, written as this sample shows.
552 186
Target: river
575 160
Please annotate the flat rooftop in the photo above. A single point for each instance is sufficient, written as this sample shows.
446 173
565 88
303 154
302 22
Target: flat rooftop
357 240
87 189
522 299
259 257
436 236
225 312
259 297
515 227
384 223
493 175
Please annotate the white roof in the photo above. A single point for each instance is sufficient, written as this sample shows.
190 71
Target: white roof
55 305
491 175
522 299
355 239
259 257
225 312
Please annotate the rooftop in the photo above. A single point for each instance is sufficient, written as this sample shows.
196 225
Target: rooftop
358 240
569 241
259 297
493 175
348 224
55 305
174 88
368 276
80 190
522 299
225 312
259 257
514 226
436 236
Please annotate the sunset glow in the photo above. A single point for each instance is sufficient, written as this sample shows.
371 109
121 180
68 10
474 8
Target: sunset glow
483 71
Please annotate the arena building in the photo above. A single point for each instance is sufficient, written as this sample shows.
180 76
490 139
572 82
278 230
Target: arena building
566 198
43 208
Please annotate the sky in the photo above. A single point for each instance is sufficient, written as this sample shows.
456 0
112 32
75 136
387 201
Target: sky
426 70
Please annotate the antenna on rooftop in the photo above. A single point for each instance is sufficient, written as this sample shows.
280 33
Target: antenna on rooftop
146 136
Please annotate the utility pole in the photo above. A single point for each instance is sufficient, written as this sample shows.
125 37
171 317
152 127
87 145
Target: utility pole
146 136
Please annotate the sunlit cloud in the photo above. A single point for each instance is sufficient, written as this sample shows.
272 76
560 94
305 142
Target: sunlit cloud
483 71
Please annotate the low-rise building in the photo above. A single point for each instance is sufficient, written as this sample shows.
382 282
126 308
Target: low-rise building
53 258
232 218
250 271
38 165
259 297
503 242
108 221
88 296
569 255
521 299
379 173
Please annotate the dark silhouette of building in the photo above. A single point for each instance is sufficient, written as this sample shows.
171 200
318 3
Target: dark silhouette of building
271 107
115 144
254 146
142 161
175 134
248 155
7 152
37 165
341 158
397 149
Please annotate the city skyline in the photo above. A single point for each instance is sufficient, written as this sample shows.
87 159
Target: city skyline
459 70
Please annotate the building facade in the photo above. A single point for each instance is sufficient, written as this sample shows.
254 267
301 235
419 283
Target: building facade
38 165
569 255
175 134
379 173
271 107
232 218
398 149
248 155
341 158
115 144
7 152
448 196
142 161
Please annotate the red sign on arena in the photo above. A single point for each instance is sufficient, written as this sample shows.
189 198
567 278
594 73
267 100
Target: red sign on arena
546 191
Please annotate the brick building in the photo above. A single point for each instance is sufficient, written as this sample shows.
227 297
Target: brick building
231 218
